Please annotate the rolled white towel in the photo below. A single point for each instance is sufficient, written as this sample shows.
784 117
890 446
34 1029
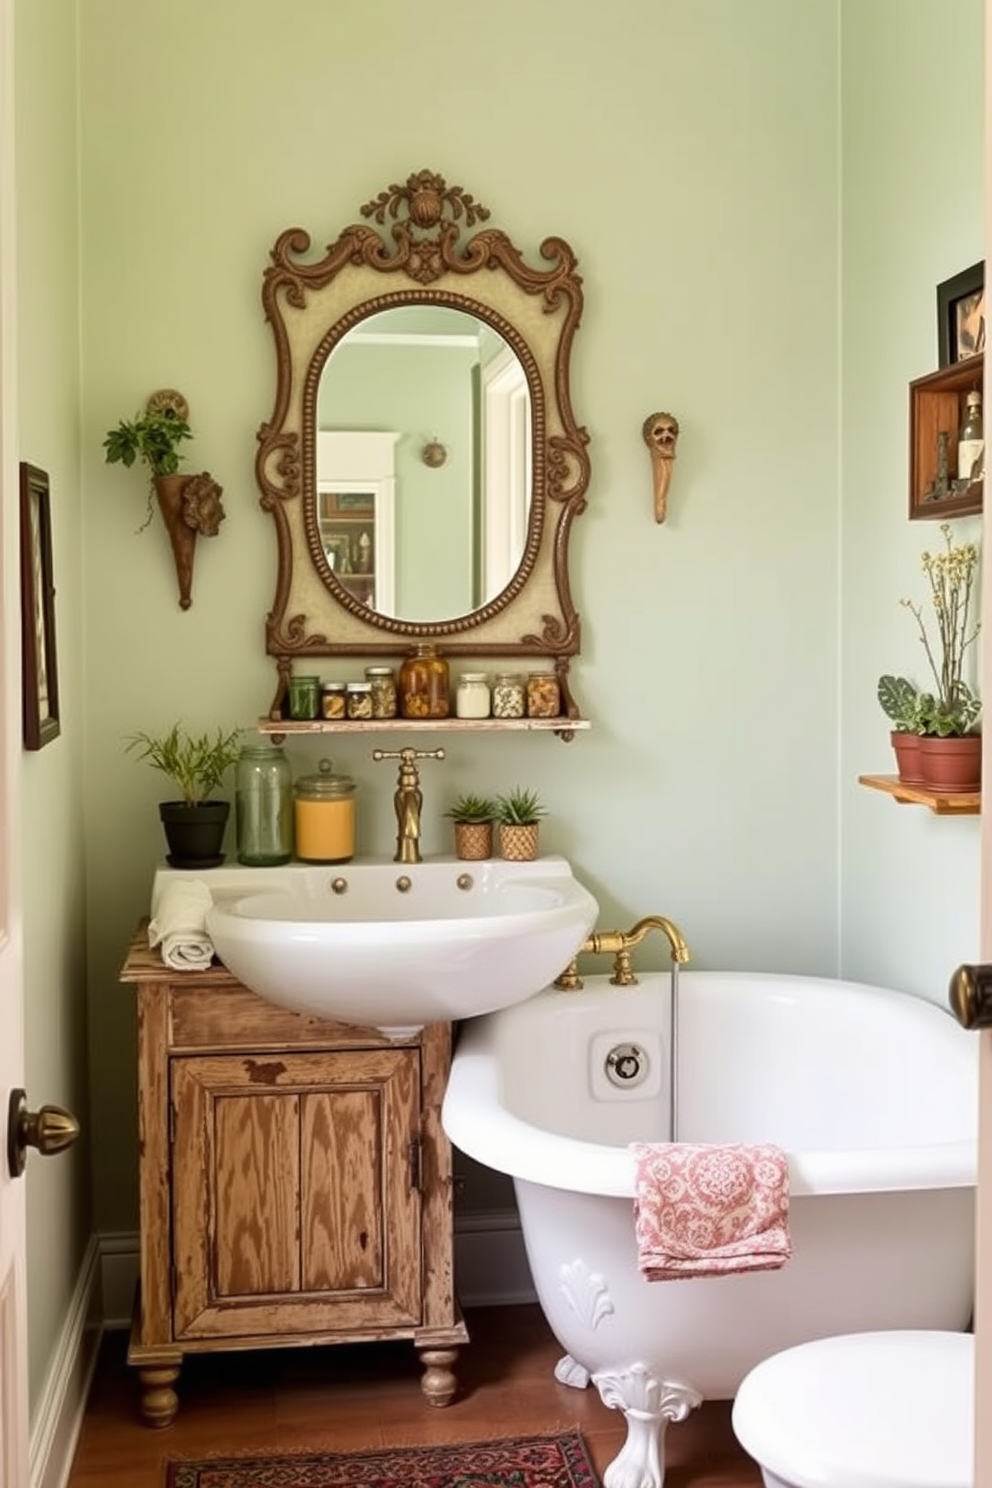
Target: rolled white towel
179 926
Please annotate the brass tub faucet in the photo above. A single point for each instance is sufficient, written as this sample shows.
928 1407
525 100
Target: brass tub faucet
619 944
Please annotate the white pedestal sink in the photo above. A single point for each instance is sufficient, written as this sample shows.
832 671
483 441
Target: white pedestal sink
394 946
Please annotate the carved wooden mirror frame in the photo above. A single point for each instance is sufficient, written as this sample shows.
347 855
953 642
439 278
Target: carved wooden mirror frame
311 306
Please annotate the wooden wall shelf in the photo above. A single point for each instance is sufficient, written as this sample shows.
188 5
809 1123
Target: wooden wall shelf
944 803
283 727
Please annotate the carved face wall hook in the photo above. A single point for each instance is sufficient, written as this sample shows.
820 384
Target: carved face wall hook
660 432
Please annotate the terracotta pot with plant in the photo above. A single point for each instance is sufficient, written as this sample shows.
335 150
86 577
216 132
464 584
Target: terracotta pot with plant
189 504
950 736
519 814
473 818
195 763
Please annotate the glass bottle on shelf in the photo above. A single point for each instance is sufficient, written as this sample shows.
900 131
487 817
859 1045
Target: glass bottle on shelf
971 440
509 695
424 684
263 806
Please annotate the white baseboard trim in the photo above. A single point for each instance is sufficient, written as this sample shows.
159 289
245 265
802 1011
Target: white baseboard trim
58 1417
491 1267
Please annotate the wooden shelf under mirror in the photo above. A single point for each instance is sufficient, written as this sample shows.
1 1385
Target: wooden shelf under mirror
283 727
944 803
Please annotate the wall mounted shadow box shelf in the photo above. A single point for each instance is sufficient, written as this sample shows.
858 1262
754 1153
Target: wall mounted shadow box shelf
937 406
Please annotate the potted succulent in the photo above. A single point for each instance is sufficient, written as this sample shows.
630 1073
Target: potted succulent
189 504
518 814
195 763
901 702
473 818
948 724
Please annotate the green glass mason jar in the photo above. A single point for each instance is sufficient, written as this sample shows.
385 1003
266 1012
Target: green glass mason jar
263 804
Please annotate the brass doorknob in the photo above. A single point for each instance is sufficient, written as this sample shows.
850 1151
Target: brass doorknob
970 996
49 1130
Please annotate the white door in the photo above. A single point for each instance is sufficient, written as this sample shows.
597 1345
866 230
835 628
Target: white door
13 1313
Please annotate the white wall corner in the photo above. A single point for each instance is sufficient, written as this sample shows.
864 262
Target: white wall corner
58 1415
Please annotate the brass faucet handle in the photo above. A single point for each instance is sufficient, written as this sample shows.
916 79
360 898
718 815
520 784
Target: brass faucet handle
407 755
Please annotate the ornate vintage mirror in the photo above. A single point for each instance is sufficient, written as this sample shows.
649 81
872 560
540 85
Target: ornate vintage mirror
422 464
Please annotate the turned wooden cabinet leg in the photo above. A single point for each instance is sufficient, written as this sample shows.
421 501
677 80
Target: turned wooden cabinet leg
439 1383
159 1401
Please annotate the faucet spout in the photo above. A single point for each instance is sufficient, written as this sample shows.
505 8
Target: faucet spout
668 928
408 800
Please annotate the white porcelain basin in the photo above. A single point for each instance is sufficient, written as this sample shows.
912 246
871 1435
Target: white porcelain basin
395 946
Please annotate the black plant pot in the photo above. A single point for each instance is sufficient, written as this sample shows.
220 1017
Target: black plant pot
195 834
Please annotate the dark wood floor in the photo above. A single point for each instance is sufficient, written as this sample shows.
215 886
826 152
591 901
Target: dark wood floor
349 1398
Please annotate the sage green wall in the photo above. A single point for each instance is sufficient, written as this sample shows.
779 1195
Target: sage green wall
687 149
913 215
58 1208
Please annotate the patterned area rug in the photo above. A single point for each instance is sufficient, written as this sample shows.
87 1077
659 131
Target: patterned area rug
523 1462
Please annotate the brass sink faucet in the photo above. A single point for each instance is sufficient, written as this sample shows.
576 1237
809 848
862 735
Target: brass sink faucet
409 800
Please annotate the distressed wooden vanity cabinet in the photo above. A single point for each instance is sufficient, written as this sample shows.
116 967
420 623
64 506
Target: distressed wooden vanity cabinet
295 1181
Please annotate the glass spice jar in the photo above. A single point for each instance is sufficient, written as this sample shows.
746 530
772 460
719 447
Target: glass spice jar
333 700
383 683
472 695
424 684
359 701
509 695
543 695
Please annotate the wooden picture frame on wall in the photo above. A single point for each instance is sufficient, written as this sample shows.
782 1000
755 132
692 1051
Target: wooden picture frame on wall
39 663
961 316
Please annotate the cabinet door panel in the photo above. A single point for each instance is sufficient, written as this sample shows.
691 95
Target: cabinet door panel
341 1238
294 1210
257 1171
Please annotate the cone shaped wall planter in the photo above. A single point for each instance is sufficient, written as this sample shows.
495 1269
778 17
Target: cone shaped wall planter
189 504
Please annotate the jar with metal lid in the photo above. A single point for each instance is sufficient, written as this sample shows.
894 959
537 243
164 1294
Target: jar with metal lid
472 696
543 695
359 700
383 682
263 806
509 695
424 684
333 700
324 816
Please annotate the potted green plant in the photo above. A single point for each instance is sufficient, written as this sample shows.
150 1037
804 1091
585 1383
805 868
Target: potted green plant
195 763
901 702
189 504
519 814
950 738
473 818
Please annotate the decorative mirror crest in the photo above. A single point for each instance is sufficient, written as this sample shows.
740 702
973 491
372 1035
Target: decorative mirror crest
367 564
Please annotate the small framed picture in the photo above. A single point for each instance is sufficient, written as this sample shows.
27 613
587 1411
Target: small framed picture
961 315
39 666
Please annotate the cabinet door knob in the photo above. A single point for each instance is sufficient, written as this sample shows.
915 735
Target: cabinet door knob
49 1130
970 996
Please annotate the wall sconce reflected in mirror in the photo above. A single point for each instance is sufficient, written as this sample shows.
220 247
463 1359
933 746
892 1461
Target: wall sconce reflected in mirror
434 454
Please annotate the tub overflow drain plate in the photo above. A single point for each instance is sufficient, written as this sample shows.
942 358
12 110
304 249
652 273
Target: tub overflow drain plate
626 1066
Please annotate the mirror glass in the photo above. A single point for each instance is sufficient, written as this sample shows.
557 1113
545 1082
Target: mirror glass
453 396
422 464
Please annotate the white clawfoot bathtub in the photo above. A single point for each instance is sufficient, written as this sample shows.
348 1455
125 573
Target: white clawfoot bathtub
872 1093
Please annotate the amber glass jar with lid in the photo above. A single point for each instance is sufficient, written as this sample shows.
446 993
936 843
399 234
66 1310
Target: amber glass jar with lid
424 684
324 816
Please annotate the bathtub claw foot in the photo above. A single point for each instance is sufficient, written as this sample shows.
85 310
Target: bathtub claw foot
649 1405
569 1371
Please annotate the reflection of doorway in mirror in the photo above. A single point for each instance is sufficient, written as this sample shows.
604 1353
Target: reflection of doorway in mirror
355 513
506 469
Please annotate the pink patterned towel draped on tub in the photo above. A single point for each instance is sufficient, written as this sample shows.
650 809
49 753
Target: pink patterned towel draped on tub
703 1210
